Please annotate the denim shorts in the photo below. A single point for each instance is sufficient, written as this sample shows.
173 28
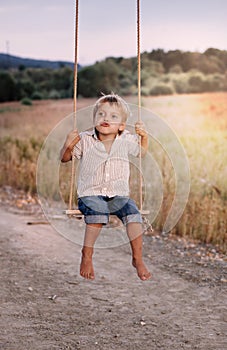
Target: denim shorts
96 209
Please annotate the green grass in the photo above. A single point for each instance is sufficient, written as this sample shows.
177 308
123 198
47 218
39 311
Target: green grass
9 109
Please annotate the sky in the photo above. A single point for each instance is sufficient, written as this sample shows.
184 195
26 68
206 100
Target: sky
44 29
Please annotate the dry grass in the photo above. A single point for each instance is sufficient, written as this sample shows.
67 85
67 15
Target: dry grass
200 121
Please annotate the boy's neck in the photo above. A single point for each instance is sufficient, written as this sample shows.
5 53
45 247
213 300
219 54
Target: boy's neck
107 140
103 137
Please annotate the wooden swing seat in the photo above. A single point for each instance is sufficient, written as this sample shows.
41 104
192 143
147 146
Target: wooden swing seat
73 212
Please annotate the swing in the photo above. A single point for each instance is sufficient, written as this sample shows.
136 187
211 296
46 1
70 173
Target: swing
70 212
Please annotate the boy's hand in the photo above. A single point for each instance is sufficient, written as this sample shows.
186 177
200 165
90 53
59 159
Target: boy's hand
140 129
72 138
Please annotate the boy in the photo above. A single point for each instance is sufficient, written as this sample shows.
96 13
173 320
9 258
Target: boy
103 187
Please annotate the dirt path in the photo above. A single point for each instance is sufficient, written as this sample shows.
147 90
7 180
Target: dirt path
46 305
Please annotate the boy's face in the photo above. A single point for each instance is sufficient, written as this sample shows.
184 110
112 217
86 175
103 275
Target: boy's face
109 119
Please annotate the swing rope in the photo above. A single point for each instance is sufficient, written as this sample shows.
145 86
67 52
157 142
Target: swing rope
139 102
73 166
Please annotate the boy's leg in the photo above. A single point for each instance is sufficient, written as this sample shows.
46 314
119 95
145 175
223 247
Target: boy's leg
91 234
134 231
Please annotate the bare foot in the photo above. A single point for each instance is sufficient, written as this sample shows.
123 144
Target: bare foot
86 267
142 270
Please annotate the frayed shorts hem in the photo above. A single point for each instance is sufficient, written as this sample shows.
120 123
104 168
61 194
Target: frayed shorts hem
132 218
96 219
104 219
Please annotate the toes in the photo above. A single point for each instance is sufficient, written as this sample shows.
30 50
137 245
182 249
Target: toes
87 275
142 271
86 269
146 277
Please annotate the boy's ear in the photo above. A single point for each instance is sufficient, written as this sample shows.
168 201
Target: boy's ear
122 127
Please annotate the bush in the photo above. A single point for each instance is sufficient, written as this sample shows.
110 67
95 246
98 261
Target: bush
26 101
179 82
37 95
196 83
161 89
214 82
145 91
54 95
26 87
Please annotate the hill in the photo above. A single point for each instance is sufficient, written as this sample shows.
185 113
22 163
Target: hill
9 61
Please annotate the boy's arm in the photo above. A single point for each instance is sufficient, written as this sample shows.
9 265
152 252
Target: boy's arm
71 140
139 127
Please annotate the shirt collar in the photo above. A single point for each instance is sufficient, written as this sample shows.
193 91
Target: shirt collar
92 132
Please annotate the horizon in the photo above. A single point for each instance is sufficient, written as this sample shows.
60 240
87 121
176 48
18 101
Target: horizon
102 59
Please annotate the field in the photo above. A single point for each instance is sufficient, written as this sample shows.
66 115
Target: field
200 122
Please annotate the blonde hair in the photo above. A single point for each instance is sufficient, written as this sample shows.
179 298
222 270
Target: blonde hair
112 99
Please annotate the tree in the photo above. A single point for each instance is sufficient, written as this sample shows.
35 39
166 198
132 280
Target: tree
8 91
101 77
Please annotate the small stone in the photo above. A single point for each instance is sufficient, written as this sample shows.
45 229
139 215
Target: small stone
223 280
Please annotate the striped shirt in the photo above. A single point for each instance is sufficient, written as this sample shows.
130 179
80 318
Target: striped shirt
103 173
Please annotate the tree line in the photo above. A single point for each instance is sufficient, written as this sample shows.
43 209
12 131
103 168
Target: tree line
161 73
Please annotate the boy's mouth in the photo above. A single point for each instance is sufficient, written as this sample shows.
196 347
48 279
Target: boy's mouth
105 124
